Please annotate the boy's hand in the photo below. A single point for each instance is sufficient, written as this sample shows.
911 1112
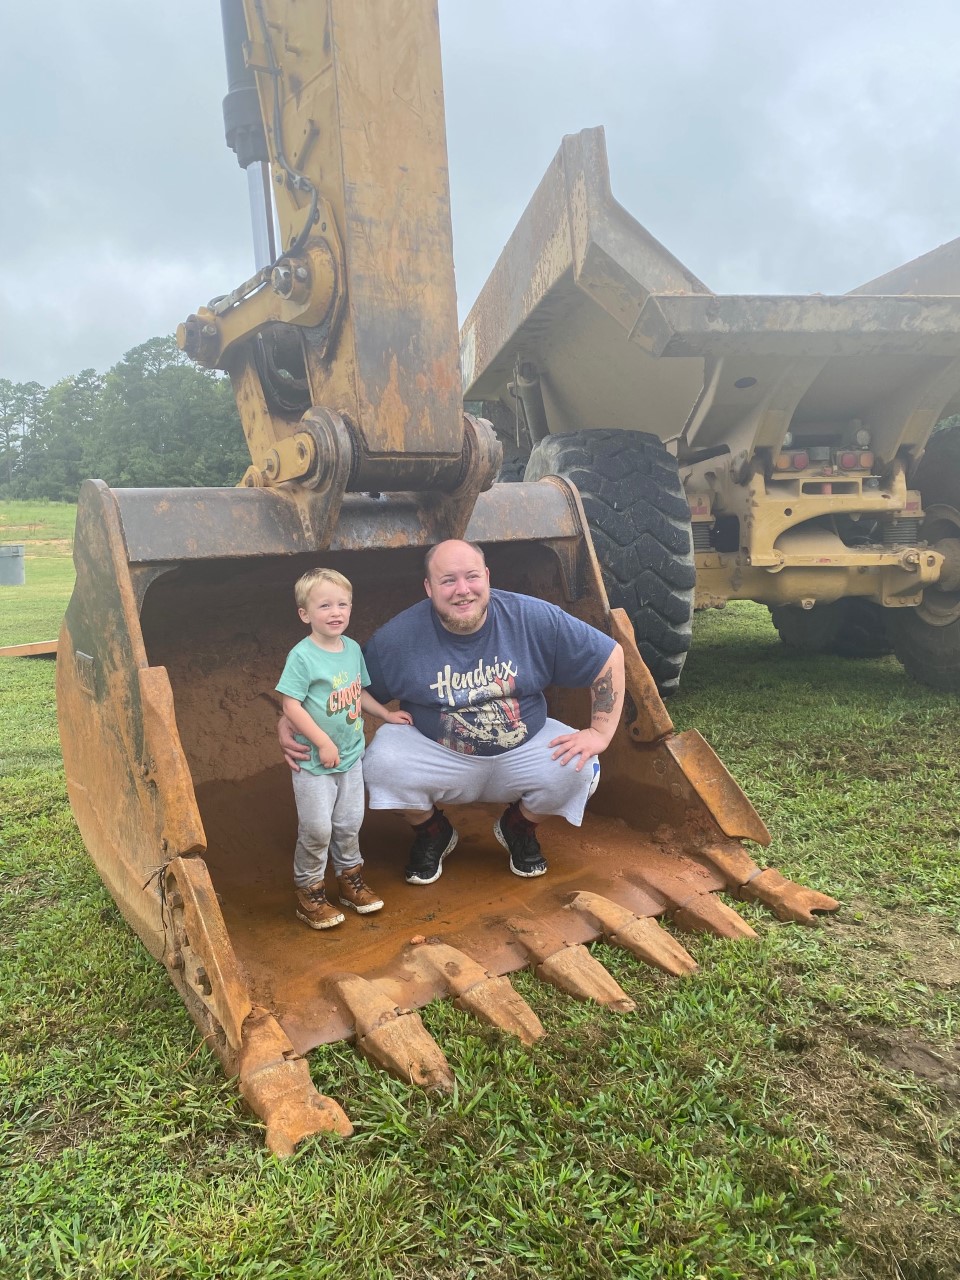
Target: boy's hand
329 756
398 717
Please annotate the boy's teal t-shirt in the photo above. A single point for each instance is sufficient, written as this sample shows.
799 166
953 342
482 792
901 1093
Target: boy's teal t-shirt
328 685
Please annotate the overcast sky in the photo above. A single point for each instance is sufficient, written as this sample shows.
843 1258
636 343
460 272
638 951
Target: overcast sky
772 145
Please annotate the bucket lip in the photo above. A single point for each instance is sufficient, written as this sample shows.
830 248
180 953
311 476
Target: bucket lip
11 548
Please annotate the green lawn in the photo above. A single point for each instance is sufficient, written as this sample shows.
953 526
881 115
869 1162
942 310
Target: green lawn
790 1111
33 611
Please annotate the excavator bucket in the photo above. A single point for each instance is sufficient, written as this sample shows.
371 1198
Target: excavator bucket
172 644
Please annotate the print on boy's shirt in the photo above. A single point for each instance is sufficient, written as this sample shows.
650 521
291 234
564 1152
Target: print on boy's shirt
345 698
486 715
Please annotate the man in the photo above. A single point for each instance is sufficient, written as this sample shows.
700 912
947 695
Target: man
470 665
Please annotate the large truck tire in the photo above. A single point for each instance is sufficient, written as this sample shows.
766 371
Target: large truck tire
926 639
850 628
640 524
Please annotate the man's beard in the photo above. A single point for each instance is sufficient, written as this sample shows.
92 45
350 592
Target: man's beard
463 624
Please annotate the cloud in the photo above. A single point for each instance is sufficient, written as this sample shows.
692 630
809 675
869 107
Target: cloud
771 147
95 308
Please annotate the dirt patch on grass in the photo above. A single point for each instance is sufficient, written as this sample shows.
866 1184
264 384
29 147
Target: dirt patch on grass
907 1052
926 951
918 949
884 1096
881 756
883 1138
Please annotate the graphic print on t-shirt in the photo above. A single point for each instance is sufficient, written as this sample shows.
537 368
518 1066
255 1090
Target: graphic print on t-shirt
482 711
345 697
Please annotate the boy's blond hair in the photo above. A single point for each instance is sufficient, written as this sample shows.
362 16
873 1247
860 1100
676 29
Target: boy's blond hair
312 578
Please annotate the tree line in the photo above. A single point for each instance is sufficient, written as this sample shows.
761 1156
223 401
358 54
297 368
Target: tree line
155 419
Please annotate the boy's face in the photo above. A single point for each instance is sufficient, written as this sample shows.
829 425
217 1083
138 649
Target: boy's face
328 610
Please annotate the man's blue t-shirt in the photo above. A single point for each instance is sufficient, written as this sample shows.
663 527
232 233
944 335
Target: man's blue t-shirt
482 694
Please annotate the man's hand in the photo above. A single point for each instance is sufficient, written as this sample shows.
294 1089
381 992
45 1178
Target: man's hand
580 746
293 751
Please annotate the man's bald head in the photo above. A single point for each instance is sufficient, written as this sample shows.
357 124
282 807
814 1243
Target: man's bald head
450 542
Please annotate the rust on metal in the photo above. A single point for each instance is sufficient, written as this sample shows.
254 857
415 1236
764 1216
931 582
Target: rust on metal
275 1083
491 999
639 935
568 966
394 1038
713 783
786 899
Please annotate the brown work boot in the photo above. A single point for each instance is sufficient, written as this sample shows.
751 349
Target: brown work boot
314 909
354 893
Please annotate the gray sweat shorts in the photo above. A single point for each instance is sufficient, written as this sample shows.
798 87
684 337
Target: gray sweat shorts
405 770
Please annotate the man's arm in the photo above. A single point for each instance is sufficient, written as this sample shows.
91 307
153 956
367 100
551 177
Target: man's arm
304 723
606 706
294 752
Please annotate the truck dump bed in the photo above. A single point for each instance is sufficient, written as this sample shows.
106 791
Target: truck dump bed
624 336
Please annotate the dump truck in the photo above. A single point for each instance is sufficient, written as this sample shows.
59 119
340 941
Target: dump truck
343 353
776 449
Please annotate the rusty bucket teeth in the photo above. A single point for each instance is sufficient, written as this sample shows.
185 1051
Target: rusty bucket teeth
394 1039
283 1094
787 900
496 1002
571 969
576 971
705 913
275 1083
491 999
639 935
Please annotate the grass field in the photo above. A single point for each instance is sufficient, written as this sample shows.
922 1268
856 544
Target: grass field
33 611
790 1111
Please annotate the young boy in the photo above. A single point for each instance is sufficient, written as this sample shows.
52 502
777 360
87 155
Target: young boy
323 696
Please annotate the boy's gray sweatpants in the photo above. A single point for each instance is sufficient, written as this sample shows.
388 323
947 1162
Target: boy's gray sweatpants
405 770
330 811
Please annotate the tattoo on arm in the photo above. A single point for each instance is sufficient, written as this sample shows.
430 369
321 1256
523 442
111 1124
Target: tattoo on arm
604 698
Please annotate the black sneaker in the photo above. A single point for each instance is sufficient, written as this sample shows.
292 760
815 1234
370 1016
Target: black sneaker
435 838
519 838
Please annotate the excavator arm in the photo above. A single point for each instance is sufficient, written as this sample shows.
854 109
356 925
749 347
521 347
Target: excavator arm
358 313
